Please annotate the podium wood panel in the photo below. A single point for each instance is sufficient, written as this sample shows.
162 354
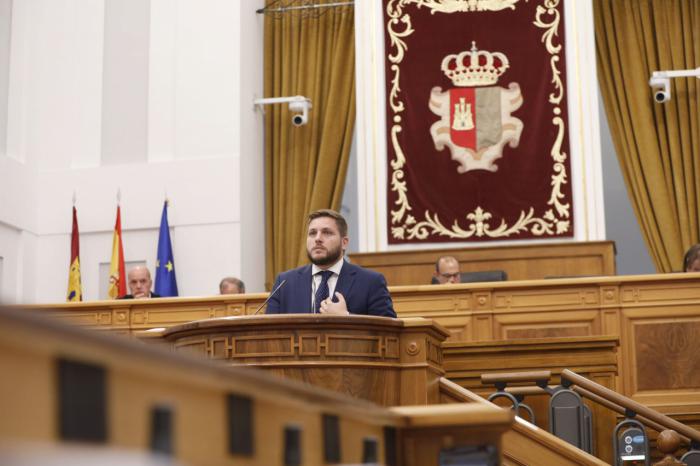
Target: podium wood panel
391 362
520 262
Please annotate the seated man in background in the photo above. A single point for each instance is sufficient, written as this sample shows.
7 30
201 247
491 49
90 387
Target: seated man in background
329 285
447 270
139 280
231 285
691 261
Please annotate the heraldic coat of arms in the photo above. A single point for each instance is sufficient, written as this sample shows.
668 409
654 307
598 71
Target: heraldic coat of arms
476 119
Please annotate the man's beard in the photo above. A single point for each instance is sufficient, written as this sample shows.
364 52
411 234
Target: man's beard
330 258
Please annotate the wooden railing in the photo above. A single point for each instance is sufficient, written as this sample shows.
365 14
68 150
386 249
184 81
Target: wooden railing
671 432
524 444
628 404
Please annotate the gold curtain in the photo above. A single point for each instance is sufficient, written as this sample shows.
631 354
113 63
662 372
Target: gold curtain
305 166
657 144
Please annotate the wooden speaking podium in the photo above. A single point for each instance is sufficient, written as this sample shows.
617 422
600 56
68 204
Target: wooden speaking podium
391 362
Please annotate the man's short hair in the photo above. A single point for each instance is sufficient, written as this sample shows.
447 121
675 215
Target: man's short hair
446 259
339 219
690 256
233 281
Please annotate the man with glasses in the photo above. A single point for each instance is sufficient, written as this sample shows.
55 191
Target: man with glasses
447 270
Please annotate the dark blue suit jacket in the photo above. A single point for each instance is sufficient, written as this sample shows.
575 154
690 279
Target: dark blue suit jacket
364 291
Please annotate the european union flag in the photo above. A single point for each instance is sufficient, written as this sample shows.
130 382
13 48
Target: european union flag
166 284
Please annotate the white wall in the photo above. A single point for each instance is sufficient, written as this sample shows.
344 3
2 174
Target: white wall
252 149
125 81
204 68
5 32
18 227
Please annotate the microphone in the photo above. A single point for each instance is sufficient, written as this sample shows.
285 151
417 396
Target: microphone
271 295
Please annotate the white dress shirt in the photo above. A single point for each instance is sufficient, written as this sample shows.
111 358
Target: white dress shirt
332 280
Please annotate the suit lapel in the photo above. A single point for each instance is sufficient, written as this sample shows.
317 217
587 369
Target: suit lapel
305 299
345 280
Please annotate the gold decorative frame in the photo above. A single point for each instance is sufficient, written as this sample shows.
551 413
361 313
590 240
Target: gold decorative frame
555 220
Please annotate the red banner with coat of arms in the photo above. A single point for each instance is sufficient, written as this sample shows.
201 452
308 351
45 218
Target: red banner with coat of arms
477 126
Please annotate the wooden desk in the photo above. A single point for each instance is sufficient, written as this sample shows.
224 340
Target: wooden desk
520 262
656 318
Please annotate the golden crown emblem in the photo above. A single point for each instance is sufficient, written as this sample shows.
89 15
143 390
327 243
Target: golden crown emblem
474 67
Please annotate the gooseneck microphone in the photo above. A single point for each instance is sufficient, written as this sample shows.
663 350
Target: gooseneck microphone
271 295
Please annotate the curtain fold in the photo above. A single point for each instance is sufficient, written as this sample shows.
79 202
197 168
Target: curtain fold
656 144
305 166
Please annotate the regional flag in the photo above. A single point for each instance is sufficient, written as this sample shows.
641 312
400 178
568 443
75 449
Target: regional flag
166 284
75 292
117 274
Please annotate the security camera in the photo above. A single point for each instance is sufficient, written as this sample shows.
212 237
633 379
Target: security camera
301 112
660 82
298 105
661 86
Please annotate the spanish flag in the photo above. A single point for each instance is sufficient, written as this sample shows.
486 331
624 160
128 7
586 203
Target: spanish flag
75 292
117 275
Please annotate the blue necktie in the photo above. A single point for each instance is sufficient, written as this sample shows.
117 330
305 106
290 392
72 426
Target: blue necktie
322 291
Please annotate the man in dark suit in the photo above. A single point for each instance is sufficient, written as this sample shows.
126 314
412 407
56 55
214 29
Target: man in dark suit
330 285
139 280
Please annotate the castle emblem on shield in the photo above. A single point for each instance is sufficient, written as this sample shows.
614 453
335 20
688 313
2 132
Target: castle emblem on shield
476 119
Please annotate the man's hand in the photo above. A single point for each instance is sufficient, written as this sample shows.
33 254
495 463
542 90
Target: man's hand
329 307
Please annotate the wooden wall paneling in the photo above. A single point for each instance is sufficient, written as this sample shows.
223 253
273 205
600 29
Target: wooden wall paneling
545 297
424 301
660 350
508 310
422 365
524 325
165 316
453 309
483 328
521 262
684 289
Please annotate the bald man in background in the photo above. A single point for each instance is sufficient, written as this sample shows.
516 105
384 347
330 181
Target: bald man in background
140 283
447 270
231 285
